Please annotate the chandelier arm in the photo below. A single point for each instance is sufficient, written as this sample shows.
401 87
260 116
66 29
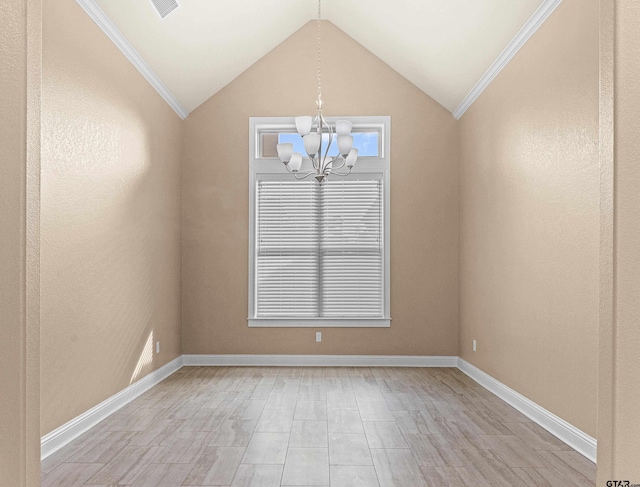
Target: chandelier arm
341 174
321 126
326 164
308 172
326 152
315 163
340 166
306 175
333 168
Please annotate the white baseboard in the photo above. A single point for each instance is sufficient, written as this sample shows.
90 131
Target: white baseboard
569 434
564 431
320 360
74 428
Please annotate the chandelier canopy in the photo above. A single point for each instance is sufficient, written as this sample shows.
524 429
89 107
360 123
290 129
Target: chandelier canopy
318 135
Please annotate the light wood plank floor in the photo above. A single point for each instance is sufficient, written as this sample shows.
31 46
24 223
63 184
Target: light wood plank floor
339 427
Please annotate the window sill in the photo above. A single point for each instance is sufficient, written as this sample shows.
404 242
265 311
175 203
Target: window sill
320 322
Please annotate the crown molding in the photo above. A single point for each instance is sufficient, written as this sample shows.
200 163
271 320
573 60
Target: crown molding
108 27
533 24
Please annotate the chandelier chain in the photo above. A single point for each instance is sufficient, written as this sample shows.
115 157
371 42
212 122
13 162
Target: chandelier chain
319 54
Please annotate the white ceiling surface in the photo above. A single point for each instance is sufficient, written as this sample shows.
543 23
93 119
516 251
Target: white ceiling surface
442 46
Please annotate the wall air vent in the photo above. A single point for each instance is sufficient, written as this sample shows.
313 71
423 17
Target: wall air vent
165 7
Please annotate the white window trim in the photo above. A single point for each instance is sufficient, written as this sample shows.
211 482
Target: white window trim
365 165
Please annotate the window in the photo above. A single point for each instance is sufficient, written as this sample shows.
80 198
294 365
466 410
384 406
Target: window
319 254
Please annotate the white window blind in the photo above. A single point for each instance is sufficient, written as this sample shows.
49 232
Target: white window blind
320 249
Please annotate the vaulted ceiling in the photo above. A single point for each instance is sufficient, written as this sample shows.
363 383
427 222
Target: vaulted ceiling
444 47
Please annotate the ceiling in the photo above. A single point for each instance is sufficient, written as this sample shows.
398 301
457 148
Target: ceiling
442 46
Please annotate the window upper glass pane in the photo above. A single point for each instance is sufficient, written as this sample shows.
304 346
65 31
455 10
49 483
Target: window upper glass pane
367 142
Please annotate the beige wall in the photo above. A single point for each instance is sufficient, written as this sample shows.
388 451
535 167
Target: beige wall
625 412
529 219
606 302
13 137
20 43
110 219
423 202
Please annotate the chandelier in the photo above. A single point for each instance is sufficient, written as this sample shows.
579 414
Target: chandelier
318 135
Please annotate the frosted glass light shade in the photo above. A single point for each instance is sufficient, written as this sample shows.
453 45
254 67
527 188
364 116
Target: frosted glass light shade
345 143
343 127
303 125
284 152
296 162
351 158
312 143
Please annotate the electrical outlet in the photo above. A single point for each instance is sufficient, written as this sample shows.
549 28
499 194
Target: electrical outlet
318 336
474 345
157 347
